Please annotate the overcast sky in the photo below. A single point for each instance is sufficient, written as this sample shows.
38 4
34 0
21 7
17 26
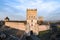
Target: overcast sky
16 9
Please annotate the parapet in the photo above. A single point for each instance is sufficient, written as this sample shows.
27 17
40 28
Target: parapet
31 9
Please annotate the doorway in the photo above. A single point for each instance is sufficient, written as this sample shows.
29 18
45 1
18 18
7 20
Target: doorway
31 32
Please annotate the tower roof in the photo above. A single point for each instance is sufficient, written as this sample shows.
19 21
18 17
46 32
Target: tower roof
6 18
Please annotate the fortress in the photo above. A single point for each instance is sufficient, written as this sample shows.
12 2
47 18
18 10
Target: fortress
31 23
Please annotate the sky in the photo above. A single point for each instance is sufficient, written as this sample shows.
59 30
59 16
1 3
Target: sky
16 9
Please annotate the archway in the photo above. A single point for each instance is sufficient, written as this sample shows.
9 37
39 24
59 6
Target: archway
31 32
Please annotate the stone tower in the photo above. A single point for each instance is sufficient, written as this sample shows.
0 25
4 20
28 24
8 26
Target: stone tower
32 21
41 20
6 19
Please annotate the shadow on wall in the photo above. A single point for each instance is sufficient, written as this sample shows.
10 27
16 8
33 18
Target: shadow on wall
11 31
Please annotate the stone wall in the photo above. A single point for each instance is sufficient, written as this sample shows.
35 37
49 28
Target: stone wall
43 27
22 26
16 25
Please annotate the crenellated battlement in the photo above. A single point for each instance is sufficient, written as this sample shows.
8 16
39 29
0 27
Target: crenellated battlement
31 9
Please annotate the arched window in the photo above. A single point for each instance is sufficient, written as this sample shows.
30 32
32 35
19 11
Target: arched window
31 24
31 20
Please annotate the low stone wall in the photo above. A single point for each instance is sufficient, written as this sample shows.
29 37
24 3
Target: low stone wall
22 26
16 25
43 27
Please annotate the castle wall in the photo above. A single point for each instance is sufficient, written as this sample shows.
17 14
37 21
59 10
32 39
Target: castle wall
43 27
22 26
31 23
16 25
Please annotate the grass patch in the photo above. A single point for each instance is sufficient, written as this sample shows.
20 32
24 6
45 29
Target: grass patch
43 32
44 35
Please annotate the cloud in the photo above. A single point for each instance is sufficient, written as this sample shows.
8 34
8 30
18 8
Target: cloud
44 8
18 7
40 5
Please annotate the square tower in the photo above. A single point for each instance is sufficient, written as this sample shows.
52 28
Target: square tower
31 14
32 20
